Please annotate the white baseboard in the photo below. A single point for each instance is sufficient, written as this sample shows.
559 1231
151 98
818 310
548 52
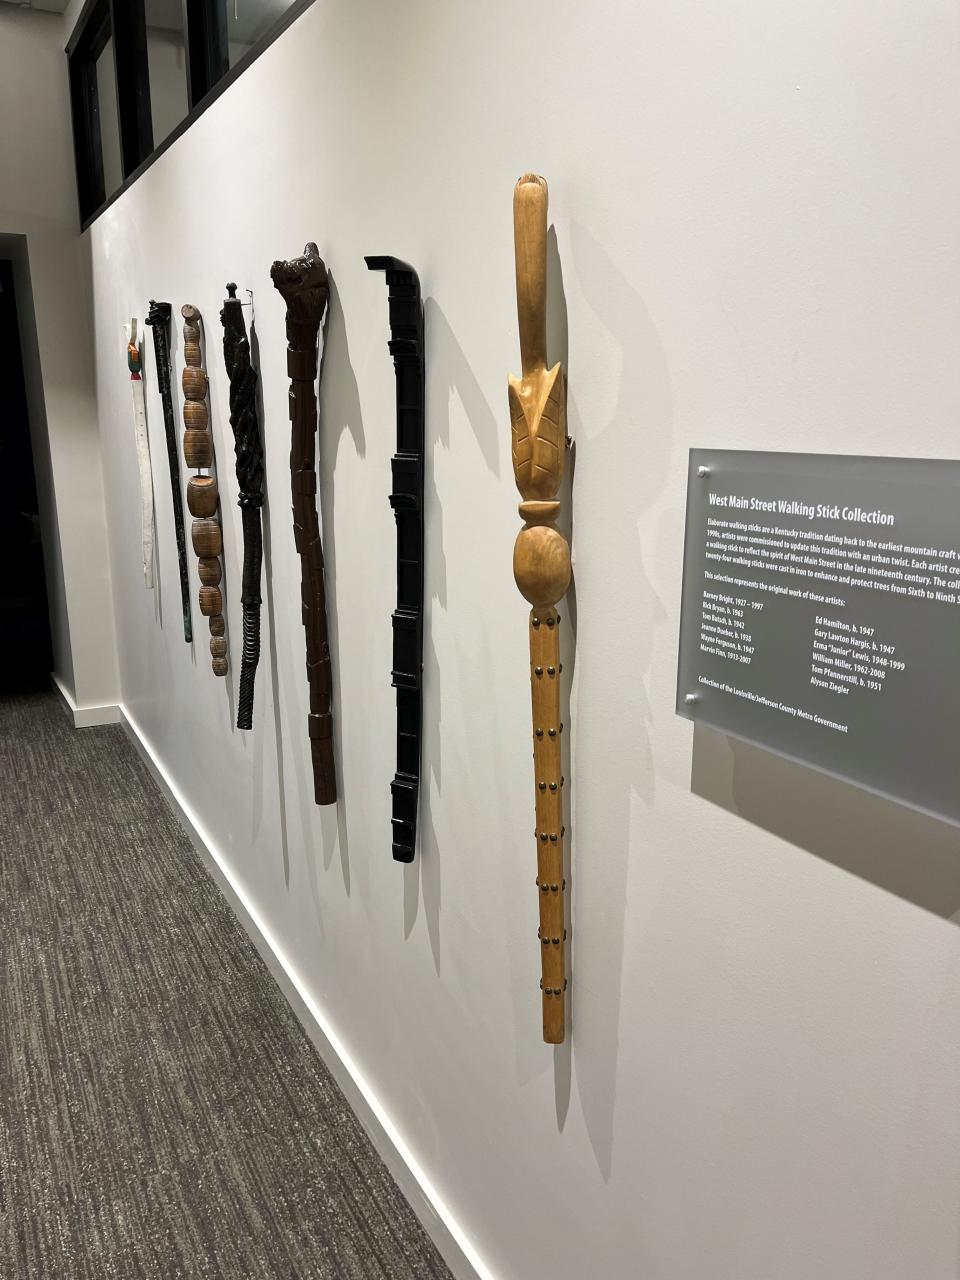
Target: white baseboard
437 1220
85 717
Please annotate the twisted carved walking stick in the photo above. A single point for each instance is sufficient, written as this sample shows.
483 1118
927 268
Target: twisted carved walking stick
541 567
249 449
202 496
302 283
158 317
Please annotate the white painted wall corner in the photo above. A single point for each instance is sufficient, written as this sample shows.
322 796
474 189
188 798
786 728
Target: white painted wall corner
84 717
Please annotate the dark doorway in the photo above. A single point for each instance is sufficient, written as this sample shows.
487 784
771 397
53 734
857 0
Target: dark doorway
25 649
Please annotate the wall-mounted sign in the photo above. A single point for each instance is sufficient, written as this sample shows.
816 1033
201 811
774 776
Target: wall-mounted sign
821 614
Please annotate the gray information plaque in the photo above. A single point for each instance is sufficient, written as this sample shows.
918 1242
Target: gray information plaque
821 614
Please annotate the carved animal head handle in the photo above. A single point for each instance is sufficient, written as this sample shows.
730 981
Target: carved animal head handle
234 330
302 282
159 313
530 249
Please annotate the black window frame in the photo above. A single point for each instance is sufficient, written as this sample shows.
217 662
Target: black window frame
208 74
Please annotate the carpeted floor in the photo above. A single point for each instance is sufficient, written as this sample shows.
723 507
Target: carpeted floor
162 1112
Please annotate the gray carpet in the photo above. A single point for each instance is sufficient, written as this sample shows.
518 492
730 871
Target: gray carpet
162 1112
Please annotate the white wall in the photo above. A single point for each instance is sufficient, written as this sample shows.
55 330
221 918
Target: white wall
755 212
38 201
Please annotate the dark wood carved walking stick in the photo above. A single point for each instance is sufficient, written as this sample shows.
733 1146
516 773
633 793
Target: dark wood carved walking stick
541 567
406 347
249 450
302 283
202 496
158 317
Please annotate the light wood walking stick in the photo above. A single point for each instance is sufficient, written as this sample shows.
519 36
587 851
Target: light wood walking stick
541 567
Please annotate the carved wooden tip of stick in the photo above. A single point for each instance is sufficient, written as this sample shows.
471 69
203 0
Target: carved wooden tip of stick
303 284
159 313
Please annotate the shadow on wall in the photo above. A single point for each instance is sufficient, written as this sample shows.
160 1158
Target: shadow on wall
558 352
273 663
908 853
339 414
636 440
446 361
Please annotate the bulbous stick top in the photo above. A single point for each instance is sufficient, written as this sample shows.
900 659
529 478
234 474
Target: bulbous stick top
303 284
538 397
530 252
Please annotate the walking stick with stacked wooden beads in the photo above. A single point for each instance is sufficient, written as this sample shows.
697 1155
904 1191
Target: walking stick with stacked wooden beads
203 501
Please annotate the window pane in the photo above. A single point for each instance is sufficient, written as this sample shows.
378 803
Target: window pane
248 20
109 124
167 65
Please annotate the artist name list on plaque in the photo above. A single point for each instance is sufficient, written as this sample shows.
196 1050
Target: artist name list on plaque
821 613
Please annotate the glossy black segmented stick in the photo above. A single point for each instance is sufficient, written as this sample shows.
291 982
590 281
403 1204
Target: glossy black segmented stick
406 347
249 449
158 317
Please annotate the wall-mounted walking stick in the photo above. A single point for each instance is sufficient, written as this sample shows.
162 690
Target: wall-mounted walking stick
202 496
135 365
406 347
158 317
541 567
249 449
302 283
